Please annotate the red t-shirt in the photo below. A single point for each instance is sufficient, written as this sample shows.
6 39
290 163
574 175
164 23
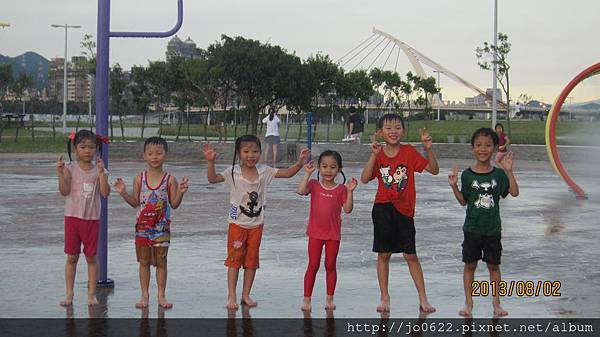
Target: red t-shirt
396 178
325 221
502 141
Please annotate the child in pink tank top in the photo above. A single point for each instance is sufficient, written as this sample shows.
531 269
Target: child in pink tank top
83 184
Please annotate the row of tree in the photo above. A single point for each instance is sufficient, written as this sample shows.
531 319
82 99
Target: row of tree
236 72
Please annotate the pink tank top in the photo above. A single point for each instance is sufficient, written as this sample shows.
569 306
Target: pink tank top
83 201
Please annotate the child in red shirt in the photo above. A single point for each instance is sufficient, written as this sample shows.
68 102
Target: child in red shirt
324 224
394 230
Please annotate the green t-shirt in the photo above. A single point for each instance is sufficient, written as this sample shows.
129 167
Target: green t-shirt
482 192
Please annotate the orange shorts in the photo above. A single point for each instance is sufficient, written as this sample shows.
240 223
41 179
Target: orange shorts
242 246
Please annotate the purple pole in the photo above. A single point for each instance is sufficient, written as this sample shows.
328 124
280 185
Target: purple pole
102 71
102 113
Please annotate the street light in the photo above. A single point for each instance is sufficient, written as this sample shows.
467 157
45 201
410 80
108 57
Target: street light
570 98
64 119
439 94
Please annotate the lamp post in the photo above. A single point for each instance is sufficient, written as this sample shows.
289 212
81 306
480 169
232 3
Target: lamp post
64 118
439 95
495 66
570 98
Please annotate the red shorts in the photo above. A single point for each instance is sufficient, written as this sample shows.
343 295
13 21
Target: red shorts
78 231
243 246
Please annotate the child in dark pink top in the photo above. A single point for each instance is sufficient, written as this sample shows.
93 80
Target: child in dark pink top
324 224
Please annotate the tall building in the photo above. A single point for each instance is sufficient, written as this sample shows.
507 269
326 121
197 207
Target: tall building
80 84
178 48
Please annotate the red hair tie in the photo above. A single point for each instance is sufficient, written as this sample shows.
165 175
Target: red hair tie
103 139
72 136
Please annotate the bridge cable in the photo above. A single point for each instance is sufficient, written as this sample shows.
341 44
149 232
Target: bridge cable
388 57
353 49
369 53
360 51
381 52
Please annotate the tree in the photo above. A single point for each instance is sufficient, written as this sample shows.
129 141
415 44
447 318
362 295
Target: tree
355 85
205 77
259 72
140 90
19 87
88 65
181 90
158 82
116 92
428 88
501 51
6 76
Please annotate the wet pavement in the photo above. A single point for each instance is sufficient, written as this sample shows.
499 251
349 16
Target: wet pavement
547 236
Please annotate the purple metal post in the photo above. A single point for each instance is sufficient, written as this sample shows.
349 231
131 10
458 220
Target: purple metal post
102 70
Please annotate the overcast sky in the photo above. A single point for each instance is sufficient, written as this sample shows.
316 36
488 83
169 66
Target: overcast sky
552 40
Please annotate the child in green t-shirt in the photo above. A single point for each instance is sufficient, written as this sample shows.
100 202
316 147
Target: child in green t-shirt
482 185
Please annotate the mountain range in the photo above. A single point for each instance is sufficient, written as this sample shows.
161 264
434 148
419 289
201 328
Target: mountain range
30 63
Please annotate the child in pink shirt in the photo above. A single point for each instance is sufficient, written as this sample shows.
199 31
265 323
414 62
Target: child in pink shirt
324 224
82 182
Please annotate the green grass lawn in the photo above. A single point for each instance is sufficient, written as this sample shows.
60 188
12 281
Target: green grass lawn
523 132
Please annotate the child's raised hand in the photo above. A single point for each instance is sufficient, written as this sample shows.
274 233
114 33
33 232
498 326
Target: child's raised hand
303 155
119 185
310 167
425 139
376 147
100 165
209 152
60 164
183 185
507 161
351 185
453 177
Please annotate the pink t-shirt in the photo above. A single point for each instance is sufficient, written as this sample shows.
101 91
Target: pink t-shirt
325 221
83 201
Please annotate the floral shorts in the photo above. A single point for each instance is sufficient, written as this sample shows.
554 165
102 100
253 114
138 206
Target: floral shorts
243 245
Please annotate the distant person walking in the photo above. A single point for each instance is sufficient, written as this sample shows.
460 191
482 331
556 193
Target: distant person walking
355 126
272 138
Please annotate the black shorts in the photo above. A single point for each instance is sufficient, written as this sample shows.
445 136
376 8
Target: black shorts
474 244
393 231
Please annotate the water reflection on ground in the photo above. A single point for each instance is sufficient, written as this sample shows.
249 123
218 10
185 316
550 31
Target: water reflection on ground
547 235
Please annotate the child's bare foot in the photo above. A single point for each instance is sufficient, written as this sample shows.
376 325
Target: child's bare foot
92 300
246 300
143 303
499 311
384 306
162 301
329 303
306 306
67 300
232 303
467 311
424 306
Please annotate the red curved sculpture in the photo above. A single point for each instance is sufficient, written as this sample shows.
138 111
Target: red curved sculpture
551 148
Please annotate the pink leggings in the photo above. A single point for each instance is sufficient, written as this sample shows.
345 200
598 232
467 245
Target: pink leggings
315 247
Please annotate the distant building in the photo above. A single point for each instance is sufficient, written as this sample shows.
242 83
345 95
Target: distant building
486 99
80 84
178 48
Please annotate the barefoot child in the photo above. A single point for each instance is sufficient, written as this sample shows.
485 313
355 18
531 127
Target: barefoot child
394 231
155 192
82 183
324 225
482 185
247 184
